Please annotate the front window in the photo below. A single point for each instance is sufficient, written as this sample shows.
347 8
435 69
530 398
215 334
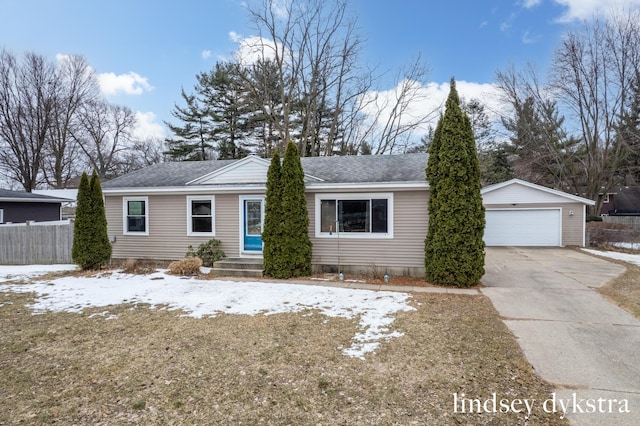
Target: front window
354 215
200 216
136 215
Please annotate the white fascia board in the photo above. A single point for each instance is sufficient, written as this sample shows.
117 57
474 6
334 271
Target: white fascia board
36 200
169 190
394 186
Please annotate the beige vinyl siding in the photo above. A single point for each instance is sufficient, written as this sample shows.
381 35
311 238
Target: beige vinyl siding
404 253
572 225
167 239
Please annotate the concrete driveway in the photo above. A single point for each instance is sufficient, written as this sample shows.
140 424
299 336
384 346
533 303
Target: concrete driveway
587 347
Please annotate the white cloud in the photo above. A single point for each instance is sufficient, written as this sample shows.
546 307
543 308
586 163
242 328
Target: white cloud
504 26
206 54
235 37
528 4
147 127
528 38
584 9
280 9
253 48
130 83
432 97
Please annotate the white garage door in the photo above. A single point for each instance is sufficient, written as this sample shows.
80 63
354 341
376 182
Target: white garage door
523 227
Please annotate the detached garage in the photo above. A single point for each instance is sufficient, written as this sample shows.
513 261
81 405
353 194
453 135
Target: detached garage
520 213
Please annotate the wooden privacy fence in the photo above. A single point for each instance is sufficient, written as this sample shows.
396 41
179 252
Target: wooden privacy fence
625 220
36 243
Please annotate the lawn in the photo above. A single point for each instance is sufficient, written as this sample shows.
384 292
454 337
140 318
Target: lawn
625 289
370 358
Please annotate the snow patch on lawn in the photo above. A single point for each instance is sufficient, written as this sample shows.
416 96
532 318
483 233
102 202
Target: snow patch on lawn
25 272
626 257
199 298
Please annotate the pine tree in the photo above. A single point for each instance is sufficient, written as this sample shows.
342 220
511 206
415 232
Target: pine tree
194 137
272 233
91 247
221 89
295 245
454 249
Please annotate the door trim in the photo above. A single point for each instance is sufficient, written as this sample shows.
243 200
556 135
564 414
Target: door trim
241 221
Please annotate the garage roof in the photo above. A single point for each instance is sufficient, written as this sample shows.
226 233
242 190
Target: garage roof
516 191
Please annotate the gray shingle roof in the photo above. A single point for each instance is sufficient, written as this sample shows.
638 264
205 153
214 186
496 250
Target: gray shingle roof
6 194
336 169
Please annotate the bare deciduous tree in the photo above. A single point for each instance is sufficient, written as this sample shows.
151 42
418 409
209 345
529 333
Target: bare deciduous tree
541 151
592 74
105 131
318 93
140 154
77 84
391 116
27 100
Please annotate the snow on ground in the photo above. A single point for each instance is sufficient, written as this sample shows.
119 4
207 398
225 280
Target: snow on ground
626 257
631 246
23 272
198 298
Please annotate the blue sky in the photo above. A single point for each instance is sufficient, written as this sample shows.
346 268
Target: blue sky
145 51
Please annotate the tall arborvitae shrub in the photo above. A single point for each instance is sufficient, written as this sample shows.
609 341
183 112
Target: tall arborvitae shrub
272 230
101 246
91 247
431 174
454 248
295 245
82 224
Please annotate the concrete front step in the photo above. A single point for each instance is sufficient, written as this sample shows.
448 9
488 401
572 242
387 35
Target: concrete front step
239 263
228 272
238 267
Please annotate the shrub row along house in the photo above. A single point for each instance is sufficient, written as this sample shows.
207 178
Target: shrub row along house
366 213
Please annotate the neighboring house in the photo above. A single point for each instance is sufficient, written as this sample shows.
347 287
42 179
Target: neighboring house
20 207
366 213
607 202
68 208
624 202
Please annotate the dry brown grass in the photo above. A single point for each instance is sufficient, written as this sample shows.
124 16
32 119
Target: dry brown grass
137 266
155 367
624 291
187 266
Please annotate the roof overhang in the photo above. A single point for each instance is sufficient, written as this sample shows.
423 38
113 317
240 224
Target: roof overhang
248 188
35 200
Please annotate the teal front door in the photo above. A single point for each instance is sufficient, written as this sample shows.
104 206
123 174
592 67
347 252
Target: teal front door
253 219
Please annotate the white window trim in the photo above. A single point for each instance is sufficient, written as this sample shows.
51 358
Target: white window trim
210 198
1 215
355 196
125 200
